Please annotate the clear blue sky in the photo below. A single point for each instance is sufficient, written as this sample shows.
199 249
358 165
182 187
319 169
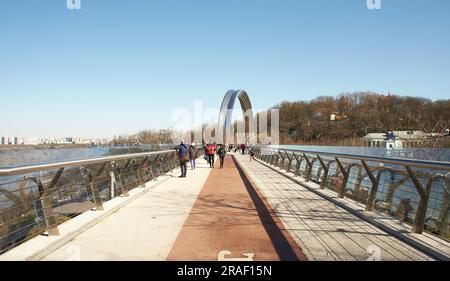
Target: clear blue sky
121 66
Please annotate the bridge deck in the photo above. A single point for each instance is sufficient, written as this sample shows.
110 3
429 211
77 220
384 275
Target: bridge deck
245 208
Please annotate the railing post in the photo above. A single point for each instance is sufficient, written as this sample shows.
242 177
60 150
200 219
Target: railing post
113 184
318 172
345 175
96 195
325 172
424 193
271 158
309 170
312 166
281 163
277 159
290 158
266 156
46 200
298 162
373 191
50 220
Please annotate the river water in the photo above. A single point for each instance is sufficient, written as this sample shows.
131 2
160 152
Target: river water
19 157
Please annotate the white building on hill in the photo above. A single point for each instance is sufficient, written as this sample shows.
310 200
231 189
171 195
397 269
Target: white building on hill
396 139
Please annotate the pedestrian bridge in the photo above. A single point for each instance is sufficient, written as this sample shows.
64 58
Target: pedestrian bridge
283 205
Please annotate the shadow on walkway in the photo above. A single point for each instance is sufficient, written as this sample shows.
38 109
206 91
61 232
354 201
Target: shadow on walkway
284 244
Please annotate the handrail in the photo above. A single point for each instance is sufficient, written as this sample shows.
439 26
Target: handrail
442 165
71 163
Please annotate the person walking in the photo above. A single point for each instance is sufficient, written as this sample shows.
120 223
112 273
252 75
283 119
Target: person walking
183 156
243 148
192 155
221 152
211 151
205 154
252 154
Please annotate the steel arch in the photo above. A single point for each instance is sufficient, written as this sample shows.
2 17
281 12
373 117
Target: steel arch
226 110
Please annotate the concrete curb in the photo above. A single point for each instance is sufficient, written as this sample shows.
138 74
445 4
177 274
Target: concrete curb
408 240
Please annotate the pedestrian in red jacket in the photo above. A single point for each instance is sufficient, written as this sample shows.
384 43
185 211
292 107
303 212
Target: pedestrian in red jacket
211 151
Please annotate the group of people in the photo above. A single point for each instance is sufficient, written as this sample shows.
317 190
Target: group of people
188 153
211 150
241 147
244 148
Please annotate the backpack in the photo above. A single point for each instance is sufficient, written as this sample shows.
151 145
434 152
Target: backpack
183 157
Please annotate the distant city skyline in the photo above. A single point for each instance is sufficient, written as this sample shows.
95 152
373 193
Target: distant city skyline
20 140
116 67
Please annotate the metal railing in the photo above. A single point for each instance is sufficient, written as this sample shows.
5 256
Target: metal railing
37 198
415 191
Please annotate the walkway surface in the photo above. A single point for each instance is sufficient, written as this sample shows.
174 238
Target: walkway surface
229 220
323 230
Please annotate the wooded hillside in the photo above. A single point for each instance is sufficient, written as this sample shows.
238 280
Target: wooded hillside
353 115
